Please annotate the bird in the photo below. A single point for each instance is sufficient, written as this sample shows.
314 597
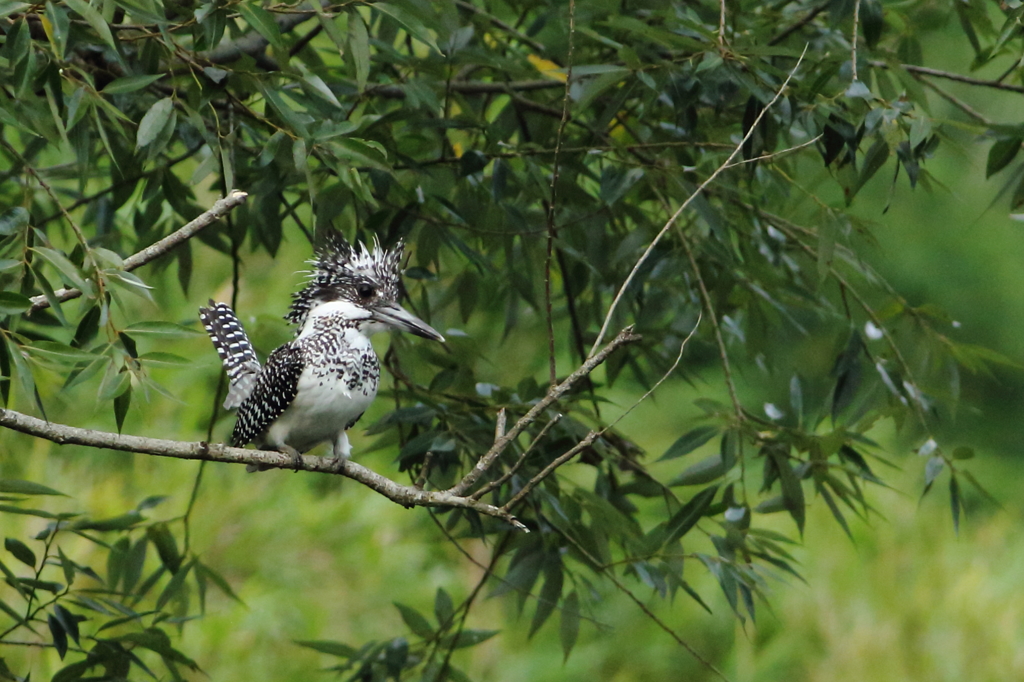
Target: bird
315 387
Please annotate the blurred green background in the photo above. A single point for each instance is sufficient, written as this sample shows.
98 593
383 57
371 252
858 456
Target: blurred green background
318 558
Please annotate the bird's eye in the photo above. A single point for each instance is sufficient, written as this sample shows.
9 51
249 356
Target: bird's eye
364 291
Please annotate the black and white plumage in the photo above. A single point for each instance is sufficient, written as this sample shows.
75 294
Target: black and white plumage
234 349
314 388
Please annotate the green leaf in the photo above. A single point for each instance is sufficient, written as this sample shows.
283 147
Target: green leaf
60 637
175 585
570 625
162 328
20 551
72 273
792 490
443 608
26 487
468 638
166 546
963 452
328 647
263 21
12 303
359 44
1001 154
415 621
153 123
121 404
122 522
219 581
410 23
68 621
13 220
689 514
955 503
95 20
120 86
932 470
689 442
702 472
550 594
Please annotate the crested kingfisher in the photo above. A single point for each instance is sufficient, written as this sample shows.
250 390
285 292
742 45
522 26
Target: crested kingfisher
314 388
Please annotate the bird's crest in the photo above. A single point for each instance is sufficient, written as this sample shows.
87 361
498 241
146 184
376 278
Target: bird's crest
341 271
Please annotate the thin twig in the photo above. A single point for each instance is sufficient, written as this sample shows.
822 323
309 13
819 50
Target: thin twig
421 480
473 88
554 393
521 37
79 235
948 75
723 353
875 320
683 206
781 152
643 607
808 18
552 207
594 435
552 465
407 496
954 100
853 39
158 249
497 483
721 23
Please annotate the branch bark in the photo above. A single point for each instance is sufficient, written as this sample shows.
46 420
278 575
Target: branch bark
407 496
627 335
154 251
949 75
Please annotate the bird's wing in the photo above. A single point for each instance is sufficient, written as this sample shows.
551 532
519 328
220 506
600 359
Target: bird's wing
273 390
235 351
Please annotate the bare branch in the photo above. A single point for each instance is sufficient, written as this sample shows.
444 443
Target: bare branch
521 37
781 152
499 425
154 251
682 207
722 351
407 496
721 23
550 468
553 205
590 438
254 44
853 39
474 88
808 18
554 393
949 75
640 604
519 462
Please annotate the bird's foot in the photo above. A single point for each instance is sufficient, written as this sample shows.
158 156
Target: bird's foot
295 455
336 463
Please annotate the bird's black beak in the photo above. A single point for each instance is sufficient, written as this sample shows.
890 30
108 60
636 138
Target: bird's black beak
397 317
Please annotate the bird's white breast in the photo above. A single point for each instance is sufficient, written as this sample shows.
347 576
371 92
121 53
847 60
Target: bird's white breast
336 386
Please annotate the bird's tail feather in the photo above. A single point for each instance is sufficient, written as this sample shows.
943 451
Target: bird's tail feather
235 351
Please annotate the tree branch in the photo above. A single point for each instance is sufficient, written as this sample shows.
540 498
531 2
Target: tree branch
627 335
671 221
475 88
154 251
407 496
949 75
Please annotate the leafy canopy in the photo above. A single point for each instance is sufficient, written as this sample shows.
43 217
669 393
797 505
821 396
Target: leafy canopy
531 154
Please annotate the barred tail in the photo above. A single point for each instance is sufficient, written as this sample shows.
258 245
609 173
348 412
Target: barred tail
234 349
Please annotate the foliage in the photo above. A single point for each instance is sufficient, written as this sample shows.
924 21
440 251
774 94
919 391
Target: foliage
530 154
